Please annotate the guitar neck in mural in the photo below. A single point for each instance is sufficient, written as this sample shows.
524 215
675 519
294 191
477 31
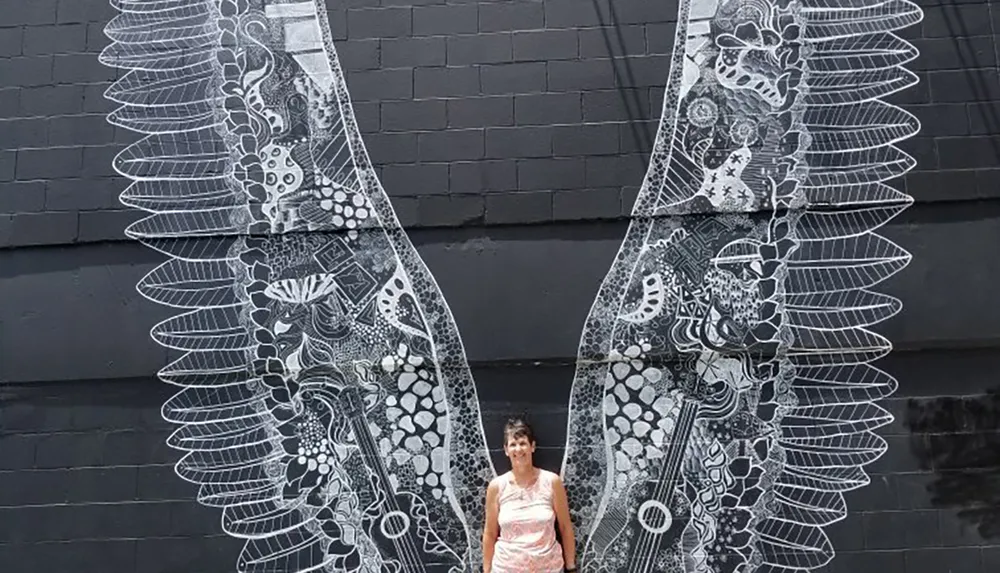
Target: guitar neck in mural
397 521
286 259
750 263
661 515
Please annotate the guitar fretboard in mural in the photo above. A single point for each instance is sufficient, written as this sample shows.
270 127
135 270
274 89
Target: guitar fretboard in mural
724 399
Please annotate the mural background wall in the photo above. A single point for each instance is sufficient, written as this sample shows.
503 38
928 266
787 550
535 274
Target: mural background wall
507 138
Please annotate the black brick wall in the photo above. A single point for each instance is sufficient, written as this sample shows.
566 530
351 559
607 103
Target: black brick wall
555 96
509 134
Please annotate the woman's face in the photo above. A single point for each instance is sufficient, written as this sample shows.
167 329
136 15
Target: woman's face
519 450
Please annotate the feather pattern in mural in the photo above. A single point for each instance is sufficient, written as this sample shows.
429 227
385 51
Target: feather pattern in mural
725 397
325 404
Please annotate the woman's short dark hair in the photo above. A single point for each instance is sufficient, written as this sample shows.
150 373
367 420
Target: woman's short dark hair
517 428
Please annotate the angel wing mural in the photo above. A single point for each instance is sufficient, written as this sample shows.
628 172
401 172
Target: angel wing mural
724 397
324 404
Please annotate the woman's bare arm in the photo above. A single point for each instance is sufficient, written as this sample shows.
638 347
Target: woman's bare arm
491 529
560 503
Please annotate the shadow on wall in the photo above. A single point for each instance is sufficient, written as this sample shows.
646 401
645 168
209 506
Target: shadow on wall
624 75
958 439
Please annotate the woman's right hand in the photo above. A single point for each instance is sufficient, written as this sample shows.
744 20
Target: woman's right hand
491 529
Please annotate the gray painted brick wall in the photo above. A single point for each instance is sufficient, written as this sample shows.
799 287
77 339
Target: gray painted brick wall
539 87
491 115
542 90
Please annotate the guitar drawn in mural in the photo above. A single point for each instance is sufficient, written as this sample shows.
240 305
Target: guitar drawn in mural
326 405
724 398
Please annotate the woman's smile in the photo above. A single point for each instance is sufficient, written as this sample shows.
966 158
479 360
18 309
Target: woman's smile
519 450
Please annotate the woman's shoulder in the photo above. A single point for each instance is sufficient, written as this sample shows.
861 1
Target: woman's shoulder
500 481
549 477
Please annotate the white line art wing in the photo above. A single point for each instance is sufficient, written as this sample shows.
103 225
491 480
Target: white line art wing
325 401
724 398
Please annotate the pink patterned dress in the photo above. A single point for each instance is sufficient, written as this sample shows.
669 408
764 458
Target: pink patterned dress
527 542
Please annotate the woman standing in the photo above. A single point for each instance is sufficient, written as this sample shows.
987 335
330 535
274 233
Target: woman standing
522 509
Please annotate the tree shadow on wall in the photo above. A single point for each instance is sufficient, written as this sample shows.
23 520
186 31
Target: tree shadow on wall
958 438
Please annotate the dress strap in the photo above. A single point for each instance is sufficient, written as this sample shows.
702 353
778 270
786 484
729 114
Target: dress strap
502 482
545 479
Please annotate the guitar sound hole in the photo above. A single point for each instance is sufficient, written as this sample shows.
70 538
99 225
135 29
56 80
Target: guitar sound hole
395 524
655 517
